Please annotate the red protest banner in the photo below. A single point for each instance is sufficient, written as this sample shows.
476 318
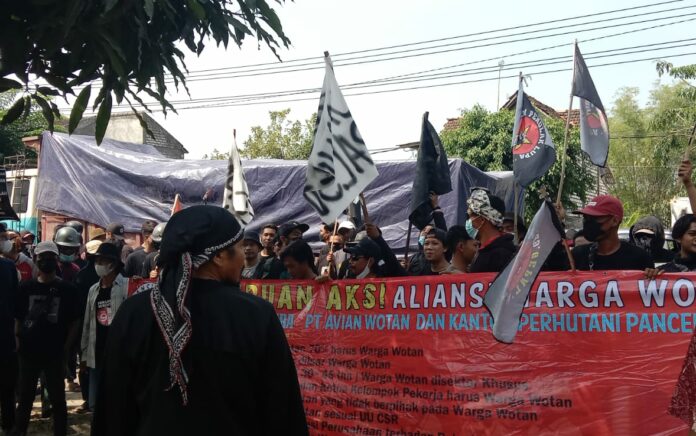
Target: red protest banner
597 353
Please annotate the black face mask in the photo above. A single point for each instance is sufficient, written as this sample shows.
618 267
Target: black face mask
156 245
591 229
645 242
47 266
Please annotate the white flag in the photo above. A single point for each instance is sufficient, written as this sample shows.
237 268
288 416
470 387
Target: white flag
339 167
236 197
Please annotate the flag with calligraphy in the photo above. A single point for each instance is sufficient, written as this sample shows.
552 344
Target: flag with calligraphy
236 197
339 166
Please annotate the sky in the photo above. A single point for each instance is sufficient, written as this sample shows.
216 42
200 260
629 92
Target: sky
392 118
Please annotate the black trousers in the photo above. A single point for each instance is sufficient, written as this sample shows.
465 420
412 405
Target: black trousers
8 384
29 369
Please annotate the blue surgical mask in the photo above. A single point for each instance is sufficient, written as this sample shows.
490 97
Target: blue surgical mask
421 240
67 257
470 229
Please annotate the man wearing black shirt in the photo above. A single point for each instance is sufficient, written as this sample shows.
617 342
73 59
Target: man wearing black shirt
193 354
8 356
46 314
484 224
135 261
601 220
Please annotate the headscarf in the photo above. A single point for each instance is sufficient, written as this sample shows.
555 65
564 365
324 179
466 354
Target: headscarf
480 204
192 237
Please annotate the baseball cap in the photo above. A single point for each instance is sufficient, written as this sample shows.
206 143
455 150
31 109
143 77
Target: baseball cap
116 230
347 224
26 234
366 247
285 229
252 236
603 205
644 231
92 246
46 247
96 232
109 251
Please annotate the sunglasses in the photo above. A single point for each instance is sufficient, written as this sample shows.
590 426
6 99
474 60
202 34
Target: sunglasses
355 258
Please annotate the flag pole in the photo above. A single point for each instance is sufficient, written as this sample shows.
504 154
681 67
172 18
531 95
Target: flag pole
408 243
565 138
516 192
335 231
363 205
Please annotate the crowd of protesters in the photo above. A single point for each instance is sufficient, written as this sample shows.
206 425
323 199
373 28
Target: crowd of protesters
60 297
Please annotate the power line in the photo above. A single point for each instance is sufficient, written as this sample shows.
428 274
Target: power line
282 69
515 27
413 88
467 72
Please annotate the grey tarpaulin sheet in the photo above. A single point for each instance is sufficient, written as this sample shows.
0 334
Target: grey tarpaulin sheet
114 183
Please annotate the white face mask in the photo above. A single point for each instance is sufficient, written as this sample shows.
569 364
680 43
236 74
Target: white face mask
5 247
365 272
103 270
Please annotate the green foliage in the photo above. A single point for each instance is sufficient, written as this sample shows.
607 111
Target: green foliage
646 148
31 122
483 139
127 45
217 155
282 139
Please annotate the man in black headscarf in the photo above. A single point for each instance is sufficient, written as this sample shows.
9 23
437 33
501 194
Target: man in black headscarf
232 373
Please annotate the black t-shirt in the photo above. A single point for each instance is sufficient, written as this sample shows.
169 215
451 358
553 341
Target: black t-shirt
46 312
241 375
8 290
134 263
104 314
495 256
149 264
627 258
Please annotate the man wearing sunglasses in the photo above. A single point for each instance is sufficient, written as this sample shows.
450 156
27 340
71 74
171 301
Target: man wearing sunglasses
601 220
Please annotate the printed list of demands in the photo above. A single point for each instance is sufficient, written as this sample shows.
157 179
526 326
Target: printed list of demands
360 390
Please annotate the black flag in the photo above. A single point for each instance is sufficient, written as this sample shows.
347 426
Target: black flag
432 175
594 130
6 211
533 152
506 296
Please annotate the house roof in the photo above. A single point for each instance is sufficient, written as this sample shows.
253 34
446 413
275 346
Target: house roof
162 136
453 123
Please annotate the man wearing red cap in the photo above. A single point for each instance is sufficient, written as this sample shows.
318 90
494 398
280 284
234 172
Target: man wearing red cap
601 219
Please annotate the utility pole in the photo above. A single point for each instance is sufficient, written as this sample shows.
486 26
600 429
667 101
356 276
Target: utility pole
500 69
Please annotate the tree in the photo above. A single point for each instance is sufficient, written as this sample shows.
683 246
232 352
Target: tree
53 47
217 155
483 139
647 145
282 139
30 123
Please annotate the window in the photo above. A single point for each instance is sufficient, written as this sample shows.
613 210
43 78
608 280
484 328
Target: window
19 195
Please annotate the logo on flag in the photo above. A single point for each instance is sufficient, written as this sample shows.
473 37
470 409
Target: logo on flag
533 152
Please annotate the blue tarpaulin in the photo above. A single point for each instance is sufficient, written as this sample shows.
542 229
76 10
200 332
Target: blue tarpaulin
115 183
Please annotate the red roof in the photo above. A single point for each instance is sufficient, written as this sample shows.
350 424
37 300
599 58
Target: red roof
453 123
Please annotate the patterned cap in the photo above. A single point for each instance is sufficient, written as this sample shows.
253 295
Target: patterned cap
480 204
